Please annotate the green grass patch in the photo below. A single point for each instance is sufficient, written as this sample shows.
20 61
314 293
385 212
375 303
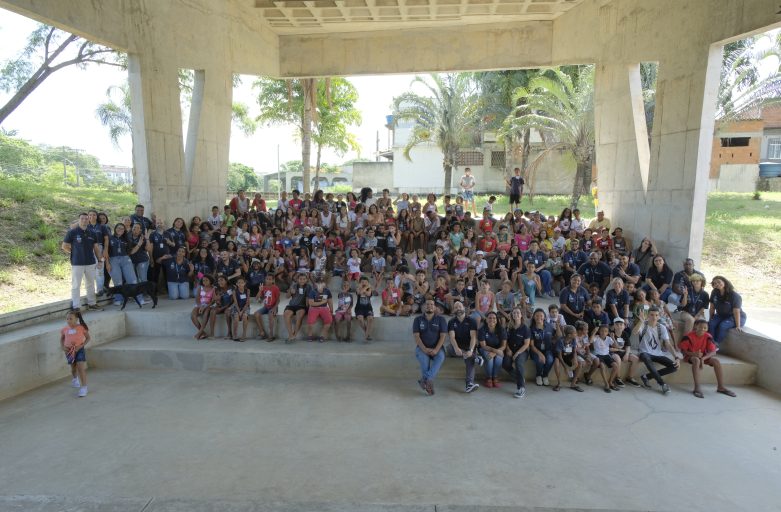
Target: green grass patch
17 255
51 246
60 270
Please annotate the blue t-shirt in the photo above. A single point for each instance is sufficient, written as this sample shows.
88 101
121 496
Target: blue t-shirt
725 305
462 330
318 296
177 272
492 339
538 258
595 320
430 330
117 246
574 258
575 301
82 243
619 300
542 338
159 247
595 273
517 336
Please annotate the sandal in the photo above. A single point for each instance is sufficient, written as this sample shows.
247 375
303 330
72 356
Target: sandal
576 388
556 387
606 390
320 339
727 392
310 338
698 394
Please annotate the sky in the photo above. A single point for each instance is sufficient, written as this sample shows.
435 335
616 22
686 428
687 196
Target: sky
62 111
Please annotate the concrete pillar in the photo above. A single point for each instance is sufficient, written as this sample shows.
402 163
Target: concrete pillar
178 179
661 193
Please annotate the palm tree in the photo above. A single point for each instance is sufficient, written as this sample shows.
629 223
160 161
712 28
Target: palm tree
497 103
447 115
561 107
114 113
743 91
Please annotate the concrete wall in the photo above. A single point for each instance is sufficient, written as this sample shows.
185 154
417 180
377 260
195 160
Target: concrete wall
377 175
763 352
736 178
769 184
31 356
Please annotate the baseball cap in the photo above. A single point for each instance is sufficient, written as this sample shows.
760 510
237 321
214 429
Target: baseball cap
618 319
480 253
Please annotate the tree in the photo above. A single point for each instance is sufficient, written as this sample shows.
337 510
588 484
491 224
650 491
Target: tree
301 103
562 108
114 113
336 114
448 116
48 50
19 157
241 177
743 90
497 103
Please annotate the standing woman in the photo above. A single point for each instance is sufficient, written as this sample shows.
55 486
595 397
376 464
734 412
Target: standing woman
140 248
541 334
725 309
493 342
175 236
119 265
518 341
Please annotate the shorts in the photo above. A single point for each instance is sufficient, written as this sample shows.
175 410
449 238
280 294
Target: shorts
340 316
321 312
295 309
338 272
568 358
468 195
620 353
235 311
392 308
265 310
354 276
80 356
606 360
364 311
515 198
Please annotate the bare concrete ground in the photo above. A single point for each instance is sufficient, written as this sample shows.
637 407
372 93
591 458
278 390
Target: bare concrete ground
146 440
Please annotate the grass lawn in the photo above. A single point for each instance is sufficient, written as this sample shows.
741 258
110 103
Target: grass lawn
742 238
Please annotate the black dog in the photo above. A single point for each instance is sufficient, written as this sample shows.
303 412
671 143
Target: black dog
132 291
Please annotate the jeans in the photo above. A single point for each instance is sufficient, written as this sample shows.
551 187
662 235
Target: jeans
719 325
547 280
429 365
87 273
649 360
141 271
122 272
492 365
99 278
469 362
543 365
178 290
516 368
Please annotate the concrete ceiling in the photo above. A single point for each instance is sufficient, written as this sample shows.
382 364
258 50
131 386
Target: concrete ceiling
323 16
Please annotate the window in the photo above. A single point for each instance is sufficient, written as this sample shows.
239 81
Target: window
497 159
735 142
467 158
774 148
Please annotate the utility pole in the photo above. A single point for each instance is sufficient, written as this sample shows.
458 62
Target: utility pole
377 152
64 169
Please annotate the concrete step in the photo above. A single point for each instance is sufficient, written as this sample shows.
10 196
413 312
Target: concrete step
378 359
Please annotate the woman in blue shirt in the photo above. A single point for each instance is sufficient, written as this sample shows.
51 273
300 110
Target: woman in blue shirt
493 341
725 309
119 265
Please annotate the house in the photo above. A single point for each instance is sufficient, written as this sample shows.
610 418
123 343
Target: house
118 174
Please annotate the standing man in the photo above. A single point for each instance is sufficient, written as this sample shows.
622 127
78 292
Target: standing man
138 218
82 245
429 330
515 183
462 330
240 204
468 189
102 234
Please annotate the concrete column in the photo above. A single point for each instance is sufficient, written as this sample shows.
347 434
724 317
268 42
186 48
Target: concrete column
173 182
661 194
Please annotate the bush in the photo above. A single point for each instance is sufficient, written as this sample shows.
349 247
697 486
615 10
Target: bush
17 255
51 246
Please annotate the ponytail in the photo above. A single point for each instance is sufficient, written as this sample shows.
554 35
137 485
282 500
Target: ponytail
80 319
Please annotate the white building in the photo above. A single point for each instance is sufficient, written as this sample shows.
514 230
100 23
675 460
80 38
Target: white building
118 174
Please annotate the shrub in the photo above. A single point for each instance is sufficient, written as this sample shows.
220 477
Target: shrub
17 255
51 246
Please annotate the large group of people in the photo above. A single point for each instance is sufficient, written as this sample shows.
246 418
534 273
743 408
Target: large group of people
424 259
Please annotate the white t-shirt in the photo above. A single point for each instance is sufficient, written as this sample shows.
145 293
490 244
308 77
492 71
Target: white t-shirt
602 345
467 182
216 222
354 265
651 340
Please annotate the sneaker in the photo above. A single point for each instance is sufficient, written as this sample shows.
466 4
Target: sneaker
614 387
633 382
479 361
94 307
665 389
83 391
520 393
644 380
429 387
471 387
76 310
588 380
618 382
538 380
545 381
422 384
75 383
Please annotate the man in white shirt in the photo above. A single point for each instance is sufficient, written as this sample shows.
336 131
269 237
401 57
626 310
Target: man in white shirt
467 189
655 347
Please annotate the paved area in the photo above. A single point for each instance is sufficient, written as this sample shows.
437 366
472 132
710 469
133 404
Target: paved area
293 440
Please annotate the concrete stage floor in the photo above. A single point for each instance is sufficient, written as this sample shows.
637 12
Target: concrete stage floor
192 441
